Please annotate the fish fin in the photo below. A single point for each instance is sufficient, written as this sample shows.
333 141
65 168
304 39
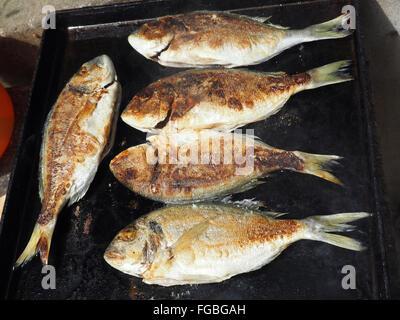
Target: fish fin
329 30
189 236
245 203
317 165
248 186
113 129
39 242
271 214
260 19
276 74
335 72
277 26
319 226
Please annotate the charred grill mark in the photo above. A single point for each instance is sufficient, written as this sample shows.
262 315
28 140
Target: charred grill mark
78 89
220 94
283 83
183 105
277 159
249 104
216 84
190 183
43 248
234 103
175 22
156 173
130 174
49 207
301 78
271 230
155 227
145 251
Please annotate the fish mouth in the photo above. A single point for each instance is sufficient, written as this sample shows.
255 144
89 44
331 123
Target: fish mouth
105 62
118 261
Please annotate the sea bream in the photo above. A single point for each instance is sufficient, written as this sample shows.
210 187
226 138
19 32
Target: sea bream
207 243
203 39
221 99
78 133
193 166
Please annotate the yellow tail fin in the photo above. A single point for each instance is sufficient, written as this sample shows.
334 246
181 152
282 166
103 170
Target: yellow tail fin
318 165
331 29
320 226
332 73
39 242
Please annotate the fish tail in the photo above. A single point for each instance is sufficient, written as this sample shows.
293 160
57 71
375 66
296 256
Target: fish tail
320 226
335 72
39 242
331 29
318 165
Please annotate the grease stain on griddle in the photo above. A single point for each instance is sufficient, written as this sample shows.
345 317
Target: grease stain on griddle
88 221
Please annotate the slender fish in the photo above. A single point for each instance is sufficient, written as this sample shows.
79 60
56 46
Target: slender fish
78 133
206 243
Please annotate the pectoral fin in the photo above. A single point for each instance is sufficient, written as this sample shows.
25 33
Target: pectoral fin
182 250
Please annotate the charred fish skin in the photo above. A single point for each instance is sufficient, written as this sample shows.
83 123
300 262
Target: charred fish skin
222 99
209 243
203 39
78 133
196 166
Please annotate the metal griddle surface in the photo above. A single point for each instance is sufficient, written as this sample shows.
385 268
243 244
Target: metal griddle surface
328 120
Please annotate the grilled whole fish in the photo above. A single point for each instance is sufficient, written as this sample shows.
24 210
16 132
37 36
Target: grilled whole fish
202 39
192 166
221 99
206 243
78 133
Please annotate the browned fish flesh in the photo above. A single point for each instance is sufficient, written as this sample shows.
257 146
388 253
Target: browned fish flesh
221 99
208 243
192 166
202 38
78 133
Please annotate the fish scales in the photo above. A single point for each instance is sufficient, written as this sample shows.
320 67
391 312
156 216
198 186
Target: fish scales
221 99
207 243
79 132
206 165
202 39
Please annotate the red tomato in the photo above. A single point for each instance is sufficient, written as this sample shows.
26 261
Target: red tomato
6 119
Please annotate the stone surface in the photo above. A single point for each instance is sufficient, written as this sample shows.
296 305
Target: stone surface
392 10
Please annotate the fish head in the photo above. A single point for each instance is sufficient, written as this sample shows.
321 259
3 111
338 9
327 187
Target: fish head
129 250
94 75
150 108
152 38
134 167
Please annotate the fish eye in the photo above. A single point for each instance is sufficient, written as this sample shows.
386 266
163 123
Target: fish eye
128 234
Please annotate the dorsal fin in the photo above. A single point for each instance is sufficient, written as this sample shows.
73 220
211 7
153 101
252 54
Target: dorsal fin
260 19
277 26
